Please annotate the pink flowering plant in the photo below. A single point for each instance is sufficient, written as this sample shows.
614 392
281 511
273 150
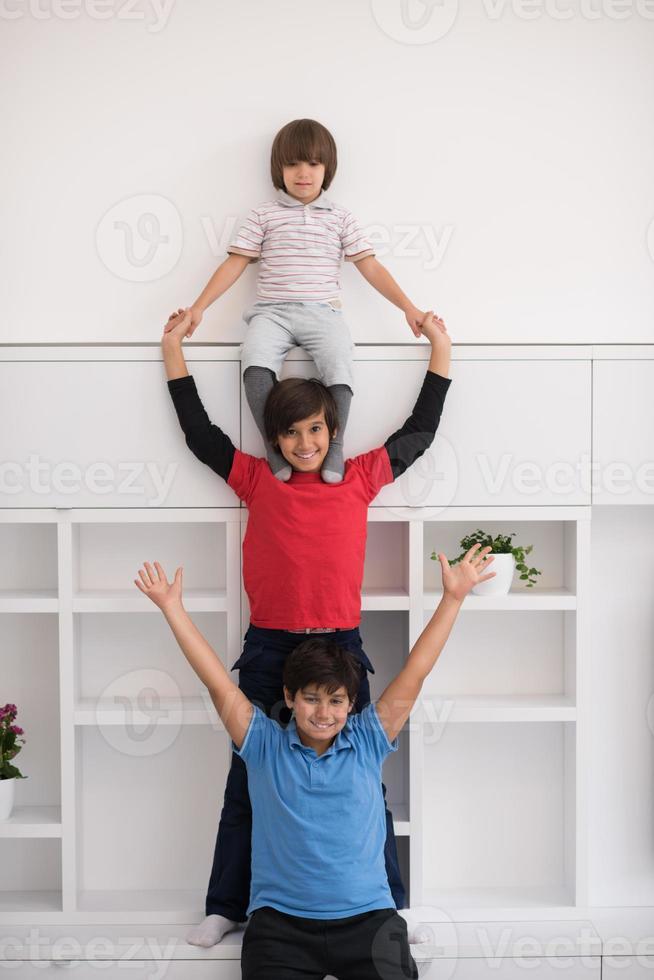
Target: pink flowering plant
11 742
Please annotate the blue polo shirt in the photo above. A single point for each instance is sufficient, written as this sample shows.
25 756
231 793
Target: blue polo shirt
318 822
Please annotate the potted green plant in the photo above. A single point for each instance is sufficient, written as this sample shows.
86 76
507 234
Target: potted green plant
508 558
11 742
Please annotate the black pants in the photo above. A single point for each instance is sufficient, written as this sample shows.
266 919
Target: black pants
371 946
261 667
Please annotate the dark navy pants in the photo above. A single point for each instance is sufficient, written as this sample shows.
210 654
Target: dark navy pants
261 668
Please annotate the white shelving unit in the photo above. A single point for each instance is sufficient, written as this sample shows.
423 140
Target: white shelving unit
126 758
138 735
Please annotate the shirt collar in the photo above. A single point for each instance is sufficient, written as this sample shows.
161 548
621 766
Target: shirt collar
320 202
342 740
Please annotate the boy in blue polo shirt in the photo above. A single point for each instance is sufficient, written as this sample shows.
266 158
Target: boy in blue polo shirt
320 901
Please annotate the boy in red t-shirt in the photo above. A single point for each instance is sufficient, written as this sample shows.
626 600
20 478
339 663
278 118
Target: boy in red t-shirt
303 557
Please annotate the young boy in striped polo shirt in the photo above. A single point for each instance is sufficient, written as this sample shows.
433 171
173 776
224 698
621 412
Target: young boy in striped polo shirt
303 558
320 902
299 240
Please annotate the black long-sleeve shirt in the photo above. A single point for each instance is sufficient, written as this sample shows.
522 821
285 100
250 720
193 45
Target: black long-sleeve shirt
213 447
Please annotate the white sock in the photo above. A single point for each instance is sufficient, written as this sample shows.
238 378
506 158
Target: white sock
210 931
418 933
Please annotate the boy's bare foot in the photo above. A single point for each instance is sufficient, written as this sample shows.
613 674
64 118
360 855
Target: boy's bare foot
210 931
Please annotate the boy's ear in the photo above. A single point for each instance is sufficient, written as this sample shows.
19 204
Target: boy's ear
287 698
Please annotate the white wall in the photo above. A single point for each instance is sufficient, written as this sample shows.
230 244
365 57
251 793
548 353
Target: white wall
520 139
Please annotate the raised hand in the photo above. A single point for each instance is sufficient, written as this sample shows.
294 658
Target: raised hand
459 579
154 584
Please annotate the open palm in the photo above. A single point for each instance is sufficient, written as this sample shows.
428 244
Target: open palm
459 579
154 584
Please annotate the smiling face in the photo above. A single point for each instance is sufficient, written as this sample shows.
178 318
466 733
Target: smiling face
304 444
303 179
319 716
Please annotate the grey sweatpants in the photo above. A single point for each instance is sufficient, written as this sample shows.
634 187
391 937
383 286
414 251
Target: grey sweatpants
318 327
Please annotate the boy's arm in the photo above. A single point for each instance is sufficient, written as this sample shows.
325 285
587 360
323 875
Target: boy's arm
396 703
409 442
223 278
230 702
378 276
204 439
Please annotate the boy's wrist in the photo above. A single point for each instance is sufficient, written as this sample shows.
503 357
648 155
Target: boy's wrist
172 341
172 608
452 601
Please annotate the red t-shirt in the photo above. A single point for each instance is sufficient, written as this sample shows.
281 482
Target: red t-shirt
305 542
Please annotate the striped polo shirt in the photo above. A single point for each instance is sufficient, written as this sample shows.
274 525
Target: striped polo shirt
300 247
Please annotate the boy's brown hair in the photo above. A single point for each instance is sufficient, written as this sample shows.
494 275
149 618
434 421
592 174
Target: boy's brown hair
322 662
302 139
295 399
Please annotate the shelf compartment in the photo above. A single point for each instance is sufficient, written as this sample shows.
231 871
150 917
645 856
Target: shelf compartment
385 574
28 567
385 638
401 822
503 832
440 709
477 901
182 905
34 601
129 668
29 678
517 599
141 715
381 599
124 601
31 875
107 557
32 821
529 654
554 553
124 847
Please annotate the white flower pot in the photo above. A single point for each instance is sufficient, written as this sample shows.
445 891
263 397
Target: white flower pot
504 568
7 787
